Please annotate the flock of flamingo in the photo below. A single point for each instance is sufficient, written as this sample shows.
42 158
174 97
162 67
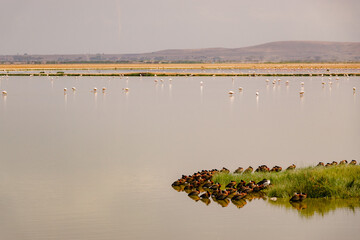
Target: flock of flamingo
231 92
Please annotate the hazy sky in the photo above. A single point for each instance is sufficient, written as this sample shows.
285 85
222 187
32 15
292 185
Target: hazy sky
129 26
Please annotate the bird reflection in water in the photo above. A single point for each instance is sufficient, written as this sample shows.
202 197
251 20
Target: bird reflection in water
299 205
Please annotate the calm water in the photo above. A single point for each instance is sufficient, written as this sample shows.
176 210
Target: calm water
100 166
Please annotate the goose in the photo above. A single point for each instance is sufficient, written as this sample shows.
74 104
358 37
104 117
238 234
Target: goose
194 193
342 162
302 196
231 92
291 167
353 162
295 197
320 164
264 182
239 170
205 195
231 184
249 170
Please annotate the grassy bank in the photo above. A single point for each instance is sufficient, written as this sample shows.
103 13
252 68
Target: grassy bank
341 181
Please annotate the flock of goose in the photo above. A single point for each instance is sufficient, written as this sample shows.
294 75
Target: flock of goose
199 185
237 192
201 181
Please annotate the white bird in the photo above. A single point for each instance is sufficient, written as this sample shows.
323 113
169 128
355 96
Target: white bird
4 92
287 82
170 79
201 83
257 93
267 80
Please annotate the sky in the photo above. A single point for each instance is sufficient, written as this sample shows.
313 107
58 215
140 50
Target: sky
138 26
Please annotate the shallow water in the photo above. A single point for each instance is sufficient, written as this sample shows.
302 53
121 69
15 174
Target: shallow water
99 166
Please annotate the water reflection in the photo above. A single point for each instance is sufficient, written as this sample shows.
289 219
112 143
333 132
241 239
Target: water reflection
312 207
239 203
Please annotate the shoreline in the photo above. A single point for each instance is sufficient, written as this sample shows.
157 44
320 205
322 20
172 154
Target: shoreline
110 66
175 74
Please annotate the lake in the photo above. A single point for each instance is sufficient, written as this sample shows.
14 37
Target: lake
85 165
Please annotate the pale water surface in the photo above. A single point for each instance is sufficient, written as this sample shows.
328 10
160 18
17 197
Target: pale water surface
99 166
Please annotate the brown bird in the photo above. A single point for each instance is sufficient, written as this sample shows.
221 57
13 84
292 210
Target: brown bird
238 196
295 197
353 162
231 184
320 164
276 169
302 196
194 193
291 167
248 170
342 162
239 170
222 195
205 195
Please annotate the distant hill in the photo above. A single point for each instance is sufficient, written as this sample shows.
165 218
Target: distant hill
285 51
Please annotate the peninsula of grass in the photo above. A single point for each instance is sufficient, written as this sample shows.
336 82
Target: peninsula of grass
341 181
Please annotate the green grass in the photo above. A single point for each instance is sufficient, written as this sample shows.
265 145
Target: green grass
317 182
